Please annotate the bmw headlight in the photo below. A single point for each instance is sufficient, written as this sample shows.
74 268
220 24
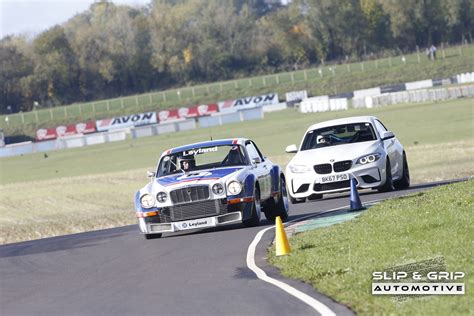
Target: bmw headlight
368 159
299 168
161 197
147 201
234 187
218 189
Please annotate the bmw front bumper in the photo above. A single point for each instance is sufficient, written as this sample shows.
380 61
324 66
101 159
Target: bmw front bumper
367 177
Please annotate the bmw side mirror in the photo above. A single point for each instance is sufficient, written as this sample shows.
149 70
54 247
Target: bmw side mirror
291 149
387 135
150 174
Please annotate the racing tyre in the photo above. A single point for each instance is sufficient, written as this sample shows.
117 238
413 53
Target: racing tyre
388 185
272 209
152 236
254 219
404 182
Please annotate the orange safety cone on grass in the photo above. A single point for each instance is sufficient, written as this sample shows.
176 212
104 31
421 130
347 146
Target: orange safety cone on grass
281 242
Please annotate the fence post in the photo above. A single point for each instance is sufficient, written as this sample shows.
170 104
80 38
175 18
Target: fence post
36 116
65 111
149 98
277 79
163 94
93 107
362 66
250 82
442 50
236 84
418 53
348 67
80 109
220 86
390 61
264 82
305 75
51 113
207 89
108 105
376 64
292 78
121 103
22 118
193 92
460 51
136 101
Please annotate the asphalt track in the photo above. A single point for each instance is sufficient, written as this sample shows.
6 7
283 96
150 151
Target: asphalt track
118 272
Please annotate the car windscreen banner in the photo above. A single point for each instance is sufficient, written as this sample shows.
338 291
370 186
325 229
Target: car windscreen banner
126 121
248 103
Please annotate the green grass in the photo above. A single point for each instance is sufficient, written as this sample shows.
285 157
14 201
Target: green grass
346 78
93 187
339 260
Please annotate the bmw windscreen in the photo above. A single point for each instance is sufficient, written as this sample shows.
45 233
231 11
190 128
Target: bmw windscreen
338 135
202 158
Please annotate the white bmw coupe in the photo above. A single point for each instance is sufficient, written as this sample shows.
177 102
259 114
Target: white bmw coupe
334 151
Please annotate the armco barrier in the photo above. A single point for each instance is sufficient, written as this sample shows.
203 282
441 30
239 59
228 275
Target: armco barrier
17 149
274 107
228 118
367 92
415 96
143 131
207 121
48 145
419 84
164 128
186 125
94 139
251 114
115 136
465 78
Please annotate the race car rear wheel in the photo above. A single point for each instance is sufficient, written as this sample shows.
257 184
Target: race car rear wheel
152 236
280 208
404 181
254 219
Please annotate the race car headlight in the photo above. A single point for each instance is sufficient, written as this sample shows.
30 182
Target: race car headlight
161 197
299 168
368 159
147 201
234 187
218 189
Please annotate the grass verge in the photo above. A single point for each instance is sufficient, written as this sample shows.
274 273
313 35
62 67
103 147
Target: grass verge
339 260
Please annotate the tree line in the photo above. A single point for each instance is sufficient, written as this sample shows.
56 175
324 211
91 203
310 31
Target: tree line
115 50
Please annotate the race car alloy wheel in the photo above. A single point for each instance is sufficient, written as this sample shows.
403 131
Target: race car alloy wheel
404 182
388 185
254 219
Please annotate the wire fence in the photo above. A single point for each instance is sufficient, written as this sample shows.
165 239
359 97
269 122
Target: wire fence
177 97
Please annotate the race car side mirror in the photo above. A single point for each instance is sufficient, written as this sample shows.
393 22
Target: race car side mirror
256 161
150 174
387 135
291 149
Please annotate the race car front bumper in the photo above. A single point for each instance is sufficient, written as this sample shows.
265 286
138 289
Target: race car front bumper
204 222
367 177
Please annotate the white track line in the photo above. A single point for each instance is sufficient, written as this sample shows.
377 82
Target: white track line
312 302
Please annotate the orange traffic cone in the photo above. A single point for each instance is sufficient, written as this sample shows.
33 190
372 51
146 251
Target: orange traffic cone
281 242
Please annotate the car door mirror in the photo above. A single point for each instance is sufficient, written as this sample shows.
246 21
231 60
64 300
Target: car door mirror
256 160
150 174
387 135
291 149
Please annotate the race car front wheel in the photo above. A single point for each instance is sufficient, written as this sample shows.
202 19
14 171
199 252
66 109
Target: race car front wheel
254 219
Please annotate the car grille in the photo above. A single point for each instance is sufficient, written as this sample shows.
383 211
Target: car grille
190 194
323 168
342 165
194 210
318 187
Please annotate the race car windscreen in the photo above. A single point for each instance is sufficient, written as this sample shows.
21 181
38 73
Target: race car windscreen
338 135
202 158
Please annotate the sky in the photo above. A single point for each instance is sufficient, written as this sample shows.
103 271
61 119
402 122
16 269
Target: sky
31 17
